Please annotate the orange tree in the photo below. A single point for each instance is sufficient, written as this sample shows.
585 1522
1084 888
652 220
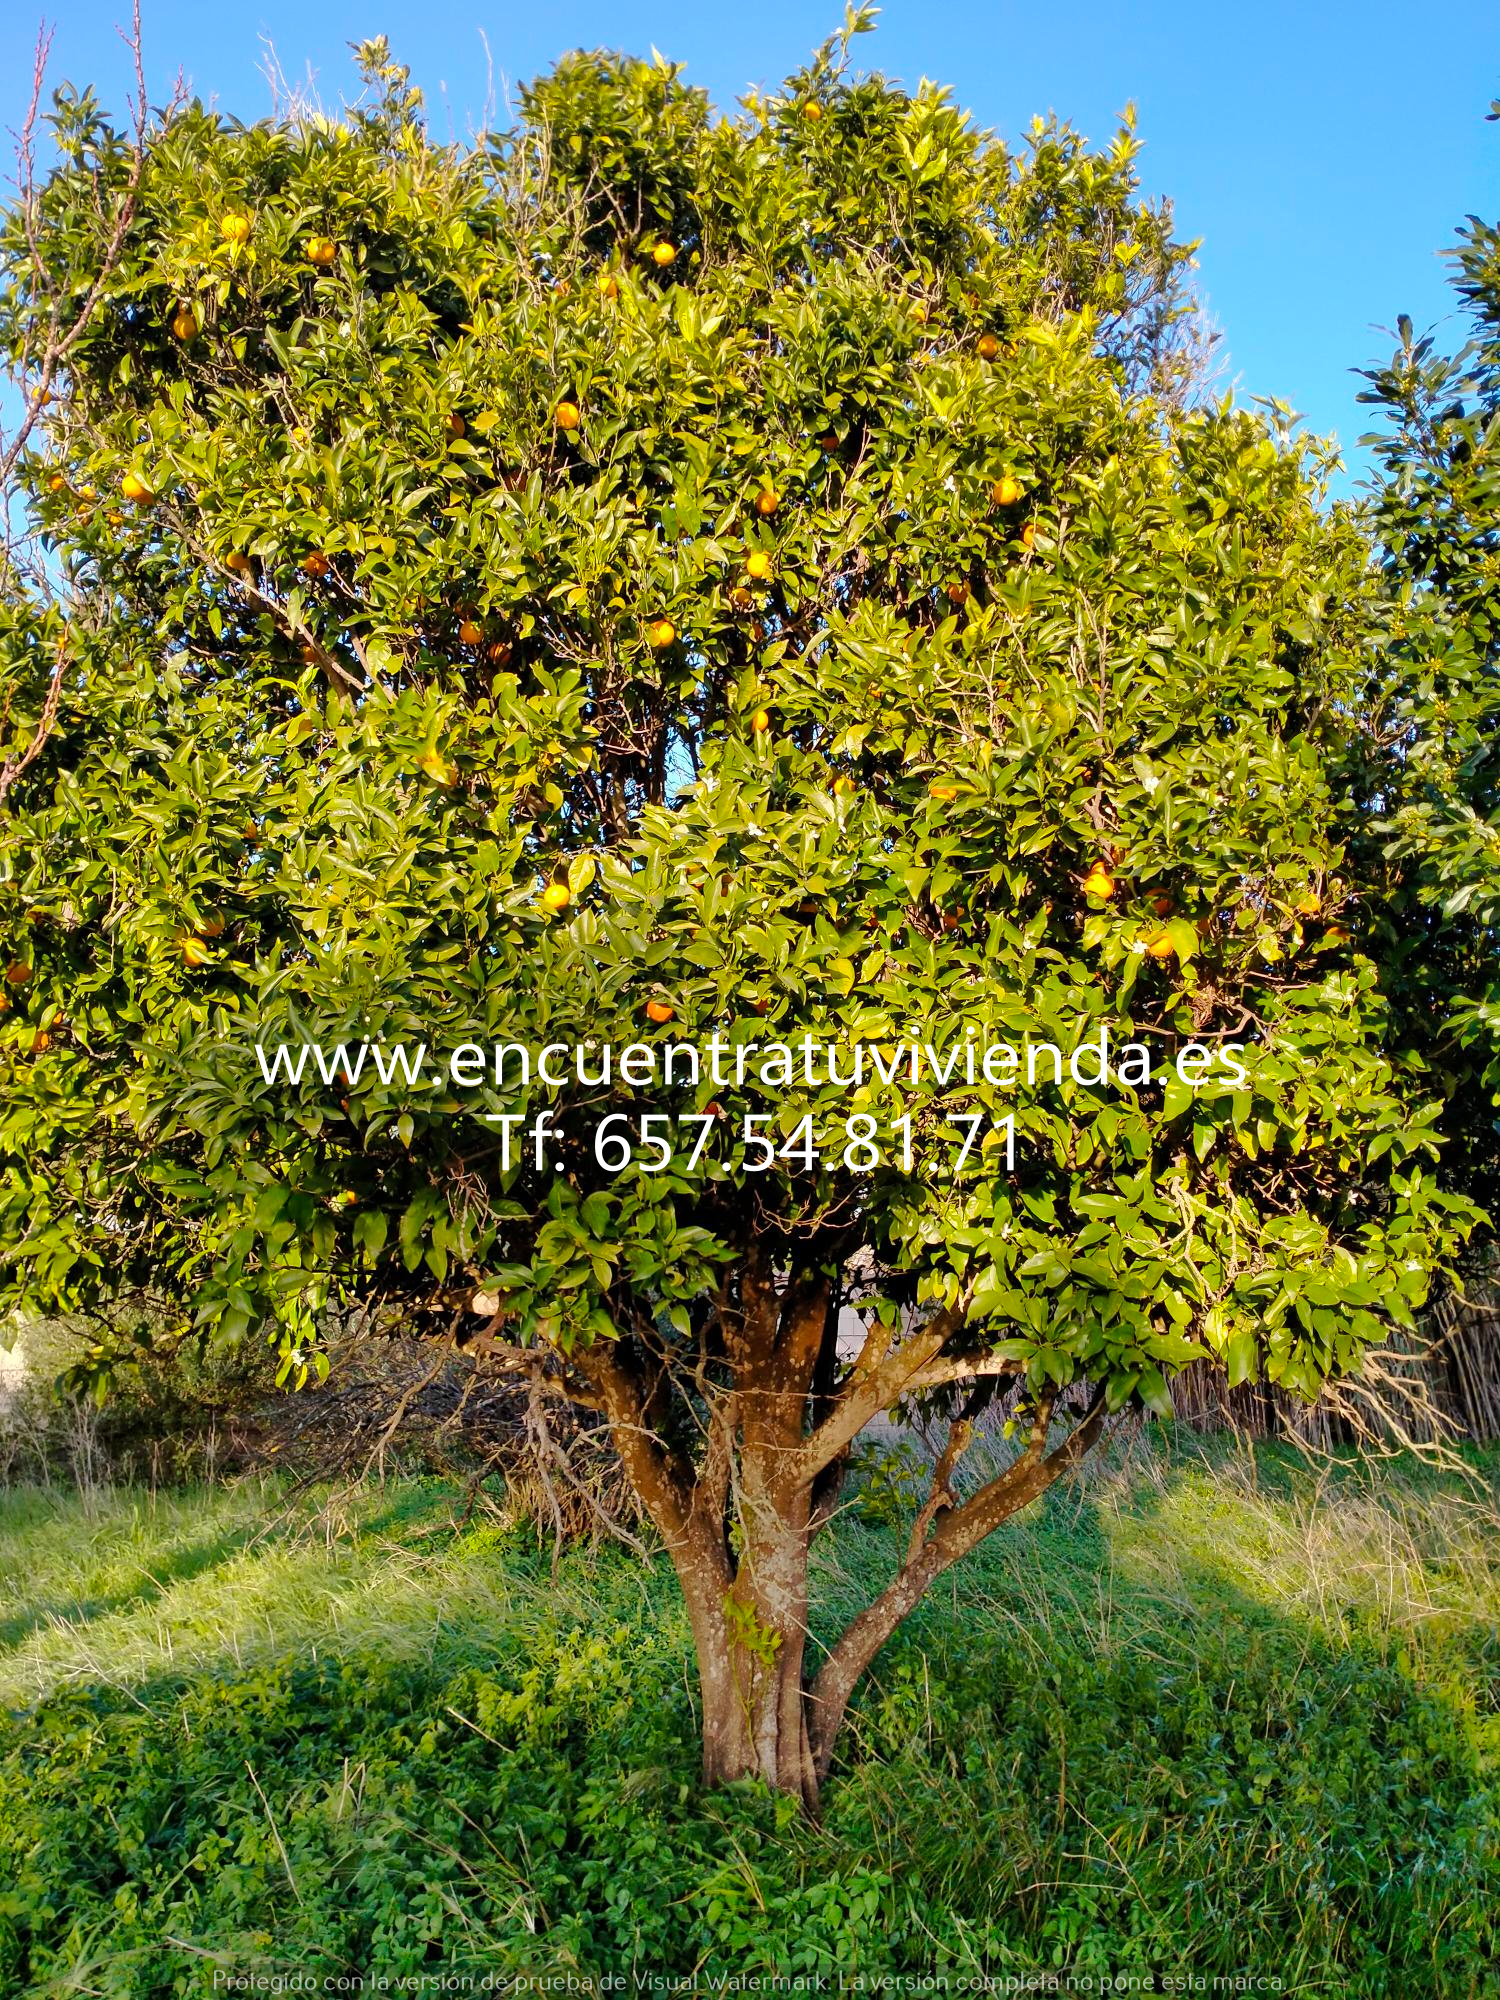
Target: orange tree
649 579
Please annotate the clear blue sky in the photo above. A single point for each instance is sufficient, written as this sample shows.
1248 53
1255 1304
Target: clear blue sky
1324 150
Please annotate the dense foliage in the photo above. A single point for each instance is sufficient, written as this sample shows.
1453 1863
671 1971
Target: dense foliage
642 579
1438 515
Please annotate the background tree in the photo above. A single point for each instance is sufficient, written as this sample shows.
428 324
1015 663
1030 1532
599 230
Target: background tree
643 578
1437 803
1431 797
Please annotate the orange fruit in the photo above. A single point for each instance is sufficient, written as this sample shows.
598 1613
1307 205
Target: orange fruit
556 896
349 1199
211 926
185 324
194 952
321 250
58 483
566 416
758 564
609 285
454 424
315 563
1163 905
844 787
1006 491
760 722
17 974
1028 535
238 563
942 791
767 501
41 1041
661 632
664 253
958 593
1161 947
987 347
1099 882
235 228
812 110
136 491
741 599
659 1012
469 633
498 654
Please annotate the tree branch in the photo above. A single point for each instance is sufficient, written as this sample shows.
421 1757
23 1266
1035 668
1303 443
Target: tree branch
869 1391
956 1531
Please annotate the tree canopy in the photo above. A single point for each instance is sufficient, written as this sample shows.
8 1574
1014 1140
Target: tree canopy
1438 811
647 577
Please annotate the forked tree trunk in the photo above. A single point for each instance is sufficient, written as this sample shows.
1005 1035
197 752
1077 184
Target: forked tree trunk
738 1518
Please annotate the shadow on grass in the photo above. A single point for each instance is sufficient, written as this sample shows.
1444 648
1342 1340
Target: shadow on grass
177 1566
1194 1717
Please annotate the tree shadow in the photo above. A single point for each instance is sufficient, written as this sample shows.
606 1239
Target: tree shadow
76 1612
1238 1712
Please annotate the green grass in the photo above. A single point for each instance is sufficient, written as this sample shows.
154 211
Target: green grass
1207 1714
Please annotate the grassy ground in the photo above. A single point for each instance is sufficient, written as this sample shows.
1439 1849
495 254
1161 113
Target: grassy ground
1208 1716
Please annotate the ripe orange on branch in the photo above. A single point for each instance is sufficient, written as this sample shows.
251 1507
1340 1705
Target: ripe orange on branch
556 896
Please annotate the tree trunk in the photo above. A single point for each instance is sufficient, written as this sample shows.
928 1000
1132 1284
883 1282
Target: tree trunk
750 1639
738 1517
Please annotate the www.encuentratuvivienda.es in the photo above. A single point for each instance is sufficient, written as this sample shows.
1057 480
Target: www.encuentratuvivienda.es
965 1061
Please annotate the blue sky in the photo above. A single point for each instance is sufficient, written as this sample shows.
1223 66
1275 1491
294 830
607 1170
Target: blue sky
1323 152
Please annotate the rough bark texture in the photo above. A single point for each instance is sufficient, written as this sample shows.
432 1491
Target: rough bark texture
738 1468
